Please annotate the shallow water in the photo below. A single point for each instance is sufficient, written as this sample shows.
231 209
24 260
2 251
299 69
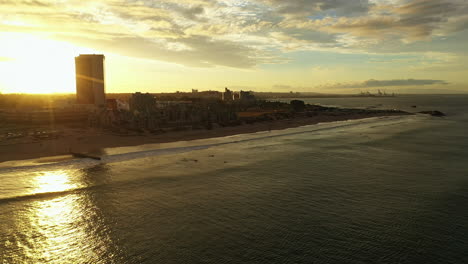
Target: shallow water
379 190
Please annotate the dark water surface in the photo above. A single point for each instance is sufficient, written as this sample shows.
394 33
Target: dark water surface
380 190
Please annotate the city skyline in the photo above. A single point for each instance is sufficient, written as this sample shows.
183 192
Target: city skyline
262 45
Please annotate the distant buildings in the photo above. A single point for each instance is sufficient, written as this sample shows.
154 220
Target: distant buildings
377 94
242 96
165 104
90 86
228 95
142 102
247 97
179 110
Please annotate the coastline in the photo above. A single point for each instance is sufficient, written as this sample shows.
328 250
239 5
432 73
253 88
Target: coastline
93 140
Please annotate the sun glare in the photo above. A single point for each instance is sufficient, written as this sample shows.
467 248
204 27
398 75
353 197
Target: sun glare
36 65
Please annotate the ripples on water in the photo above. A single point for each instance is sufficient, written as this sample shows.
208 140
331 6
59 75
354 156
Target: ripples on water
386 190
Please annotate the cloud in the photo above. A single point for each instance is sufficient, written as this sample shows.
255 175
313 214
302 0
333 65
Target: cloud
195 51
456 24
403 82
25 2
384 83
313 7
242 33
404 20
193 12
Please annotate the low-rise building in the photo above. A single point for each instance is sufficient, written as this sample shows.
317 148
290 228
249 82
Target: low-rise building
246 97
142 102
228 95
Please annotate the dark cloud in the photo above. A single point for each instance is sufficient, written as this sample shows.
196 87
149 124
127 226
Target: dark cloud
424 16
192 12
414 20
458 24
313 7
429 8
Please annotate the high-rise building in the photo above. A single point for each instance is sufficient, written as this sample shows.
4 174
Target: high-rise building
90 86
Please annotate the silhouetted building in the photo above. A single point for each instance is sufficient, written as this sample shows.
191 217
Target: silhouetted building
90 86
165 104
143 103
228 95
247 97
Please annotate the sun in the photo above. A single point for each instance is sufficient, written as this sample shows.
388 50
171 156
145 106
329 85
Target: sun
32 64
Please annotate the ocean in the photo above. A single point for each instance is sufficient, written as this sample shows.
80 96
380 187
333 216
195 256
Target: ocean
377 190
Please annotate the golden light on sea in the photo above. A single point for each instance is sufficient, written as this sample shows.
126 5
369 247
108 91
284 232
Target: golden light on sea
57 226
54 220
53 181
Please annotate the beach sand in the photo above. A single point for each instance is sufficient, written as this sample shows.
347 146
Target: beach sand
93 140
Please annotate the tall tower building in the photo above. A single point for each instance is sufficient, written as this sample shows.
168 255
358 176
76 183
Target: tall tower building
90 88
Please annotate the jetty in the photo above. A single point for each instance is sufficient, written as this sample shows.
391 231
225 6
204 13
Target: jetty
84 155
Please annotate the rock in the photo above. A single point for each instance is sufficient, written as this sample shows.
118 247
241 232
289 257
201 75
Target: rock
433 113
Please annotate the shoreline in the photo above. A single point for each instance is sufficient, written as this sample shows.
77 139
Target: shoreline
94 141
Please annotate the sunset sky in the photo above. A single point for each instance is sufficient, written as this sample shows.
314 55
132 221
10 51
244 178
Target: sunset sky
334 46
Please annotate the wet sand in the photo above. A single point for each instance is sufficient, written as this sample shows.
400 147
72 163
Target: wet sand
93 140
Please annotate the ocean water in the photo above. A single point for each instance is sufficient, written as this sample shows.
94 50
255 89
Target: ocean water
378 190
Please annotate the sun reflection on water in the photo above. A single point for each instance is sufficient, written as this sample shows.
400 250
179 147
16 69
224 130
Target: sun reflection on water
56 227
54 181
62 227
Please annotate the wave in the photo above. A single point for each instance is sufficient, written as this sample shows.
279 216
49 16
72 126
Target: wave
84 163
36 196
87 163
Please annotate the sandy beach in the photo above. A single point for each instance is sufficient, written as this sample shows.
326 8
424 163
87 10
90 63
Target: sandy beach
68 139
